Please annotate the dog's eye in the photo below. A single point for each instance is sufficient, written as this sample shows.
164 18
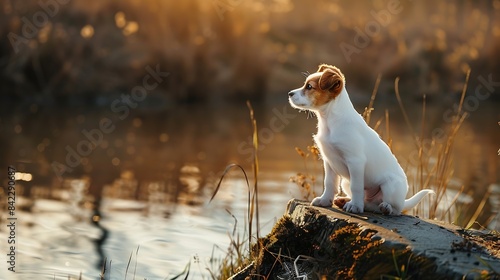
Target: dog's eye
308 86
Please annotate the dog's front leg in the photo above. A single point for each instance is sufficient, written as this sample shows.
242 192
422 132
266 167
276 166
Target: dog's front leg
332 181
356 174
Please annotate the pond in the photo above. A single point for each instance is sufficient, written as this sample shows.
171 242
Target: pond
132 188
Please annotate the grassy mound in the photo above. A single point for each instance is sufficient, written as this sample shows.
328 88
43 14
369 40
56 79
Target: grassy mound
350 252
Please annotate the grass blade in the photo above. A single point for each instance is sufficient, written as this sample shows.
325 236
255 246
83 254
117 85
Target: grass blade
403 110
228 168
479 209
368 110
136 258
128 264
255 197
186 271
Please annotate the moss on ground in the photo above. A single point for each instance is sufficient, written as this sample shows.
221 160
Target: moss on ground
349 253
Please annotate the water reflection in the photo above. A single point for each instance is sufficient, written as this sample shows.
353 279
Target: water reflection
147 183
101 238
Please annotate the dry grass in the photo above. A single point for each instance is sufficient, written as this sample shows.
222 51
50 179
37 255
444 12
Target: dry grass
238 254
307 180
434 165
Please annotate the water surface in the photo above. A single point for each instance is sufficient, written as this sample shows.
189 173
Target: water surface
142 192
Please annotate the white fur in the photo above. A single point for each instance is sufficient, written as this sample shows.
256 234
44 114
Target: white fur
355 157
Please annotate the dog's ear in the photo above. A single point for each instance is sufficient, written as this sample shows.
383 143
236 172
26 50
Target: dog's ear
331 80
323 66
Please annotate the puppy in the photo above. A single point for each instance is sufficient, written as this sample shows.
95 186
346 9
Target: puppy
354 155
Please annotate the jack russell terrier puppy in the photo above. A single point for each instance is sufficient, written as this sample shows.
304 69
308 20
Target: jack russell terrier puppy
354 155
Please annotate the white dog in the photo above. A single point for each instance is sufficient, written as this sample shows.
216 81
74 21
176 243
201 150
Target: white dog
353 153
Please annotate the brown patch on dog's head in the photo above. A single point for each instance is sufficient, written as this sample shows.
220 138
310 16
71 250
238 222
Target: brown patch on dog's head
324 85
332 79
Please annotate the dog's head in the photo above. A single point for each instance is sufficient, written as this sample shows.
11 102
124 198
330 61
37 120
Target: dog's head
319 89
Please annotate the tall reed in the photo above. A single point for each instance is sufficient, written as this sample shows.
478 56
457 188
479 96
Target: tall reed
235 256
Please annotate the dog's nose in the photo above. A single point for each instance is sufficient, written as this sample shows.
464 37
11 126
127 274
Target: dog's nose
291 93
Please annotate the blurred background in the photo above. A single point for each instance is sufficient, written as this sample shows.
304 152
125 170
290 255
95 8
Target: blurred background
120 116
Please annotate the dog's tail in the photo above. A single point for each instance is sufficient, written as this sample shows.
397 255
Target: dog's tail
415 199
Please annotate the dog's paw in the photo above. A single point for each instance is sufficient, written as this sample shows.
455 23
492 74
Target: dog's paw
322 202
353 208
340 202
386 208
